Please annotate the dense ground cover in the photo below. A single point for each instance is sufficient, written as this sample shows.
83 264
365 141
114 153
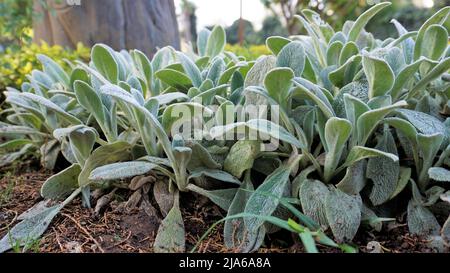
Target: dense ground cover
361 127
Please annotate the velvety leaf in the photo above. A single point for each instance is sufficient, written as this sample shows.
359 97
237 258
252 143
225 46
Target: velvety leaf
121 170
355 178
171 234
49 154
90 100
383 172
358 90
241 157
333 52
368 121
170 97
292 56
261 204
405 175
438 18
278 82
436 38
358 153
61 185
343 213
379 75
256 75
316 95
105 63
221 198
104 155
216 174
202 41
191 70
216 42
201 157
337 132
52 106
187 110
52 69
29 229
276 44
439 174
175 79
425 123
215 71
313 195
235 234
163 197
421 221
432 75
362 21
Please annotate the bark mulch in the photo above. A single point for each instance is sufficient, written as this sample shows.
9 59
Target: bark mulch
80 230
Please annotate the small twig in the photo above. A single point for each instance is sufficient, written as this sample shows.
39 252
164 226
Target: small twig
121 242
84 230
57 240
10 223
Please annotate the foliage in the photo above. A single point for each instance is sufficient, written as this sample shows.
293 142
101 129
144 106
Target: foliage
361 125
16 64
15 19
336 12
250 53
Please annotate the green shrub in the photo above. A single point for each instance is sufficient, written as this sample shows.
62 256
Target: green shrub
250 53
16 64
363 132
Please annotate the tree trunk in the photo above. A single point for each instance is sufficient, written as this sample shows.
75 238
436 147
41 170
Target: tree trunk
122 24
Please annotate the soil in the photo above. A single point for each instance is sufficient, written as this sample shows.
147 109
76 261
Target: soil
80 230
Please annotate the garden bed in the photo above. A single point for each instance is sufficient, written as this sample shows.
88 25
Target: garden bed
81 230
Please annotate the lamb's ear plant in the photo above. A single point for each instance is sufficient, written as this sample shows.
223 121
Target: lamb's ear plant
360 123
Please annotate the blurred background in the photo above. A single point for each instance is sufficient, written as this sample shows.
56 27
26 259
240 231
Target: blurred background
66 29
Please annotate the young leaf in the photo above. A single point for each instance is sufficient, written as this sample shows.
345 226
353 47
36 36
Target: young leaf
379 75
276 44
362 21
359 153
337 132
105 63
292 56
438 18
174 79
202 41
52 69
278 82
436 38
355 178
368 121
216 42
90 100
191 70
